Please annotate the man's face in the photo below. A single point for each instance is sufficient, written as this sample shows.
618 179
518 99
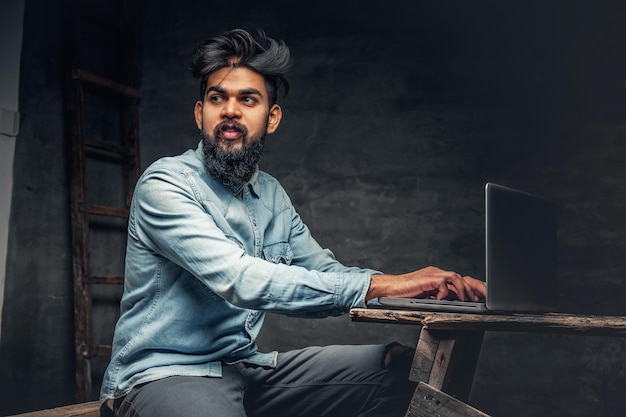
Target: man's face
233 118
235 111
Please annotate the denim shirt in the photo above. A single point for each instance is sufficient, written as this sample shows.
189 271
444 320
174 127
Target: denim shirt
204 262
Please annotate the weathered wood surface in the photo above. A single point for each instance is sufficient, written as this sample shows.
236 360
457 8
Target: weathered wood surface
447 360
428 401
546 323
431 359
90 409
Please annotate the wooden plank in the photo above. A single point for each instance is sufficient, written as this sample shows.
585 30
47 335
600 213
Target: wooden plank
423 360
441 364
108 280
434 364
113 86
101 210
447 360
100 351
90 409
593 325
428 401
109 147
80 237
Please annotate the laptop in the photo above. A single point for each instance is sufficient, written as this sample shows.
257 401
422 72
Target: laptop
520 258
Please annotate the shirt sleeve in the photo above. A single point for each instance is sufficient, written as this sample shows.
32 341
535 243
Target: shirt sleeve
169 219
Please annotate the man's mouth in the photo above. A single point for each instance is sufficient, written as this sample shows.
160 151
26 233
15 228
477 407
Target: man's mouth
231 131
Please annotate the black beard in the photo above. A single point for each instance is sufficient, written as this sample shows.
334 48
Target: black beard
232 167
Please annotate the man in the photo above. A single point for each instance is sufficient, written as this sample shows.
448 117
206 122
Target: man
214 243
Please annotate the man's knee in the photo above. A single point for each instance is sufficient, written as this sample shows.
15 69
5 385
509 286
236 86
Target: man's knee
398 358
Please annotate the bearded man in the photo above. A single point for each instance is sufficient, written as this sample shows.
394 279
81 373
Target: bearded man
214 243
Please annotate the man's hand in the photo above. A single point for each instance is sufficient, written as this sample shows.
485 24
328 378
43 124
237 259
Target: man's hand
429 282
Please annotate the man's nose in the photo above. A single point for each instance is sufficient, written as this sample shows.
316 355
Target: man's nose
231 108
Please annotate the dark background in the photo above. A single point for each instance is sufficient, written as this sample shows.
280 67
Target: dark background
399 112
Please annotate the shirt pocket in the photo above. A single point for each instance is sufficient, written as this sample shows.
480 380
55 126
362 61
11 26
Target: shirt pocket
278 253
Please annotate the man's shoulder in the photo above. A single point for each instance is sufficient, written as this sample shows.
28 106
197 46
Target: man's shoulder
266 178
271 189
185 162
267 181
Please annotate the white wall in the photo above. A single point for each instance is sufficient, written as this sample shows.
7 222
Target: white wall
11 21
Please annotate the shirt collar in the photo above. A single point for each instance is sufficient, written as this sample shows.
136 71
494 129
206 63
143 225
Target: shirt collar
252 185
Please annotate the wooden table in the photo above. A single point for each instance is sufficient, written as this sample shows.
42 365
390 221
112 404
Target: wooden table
449 345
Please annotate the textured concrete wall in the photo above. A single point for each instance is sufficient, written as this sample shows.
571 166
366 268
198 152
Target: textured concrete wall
397 116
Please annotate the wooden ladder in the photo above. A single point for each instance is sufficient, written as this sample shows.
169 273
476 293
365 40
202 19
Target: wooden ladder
103 154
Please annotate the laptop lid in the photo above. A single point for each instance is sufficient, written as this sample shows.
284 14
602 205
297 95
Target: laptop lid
520 250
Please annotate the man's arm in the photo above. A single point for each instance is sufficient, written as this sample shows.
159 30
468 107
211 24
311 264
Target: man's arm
427 282
170 220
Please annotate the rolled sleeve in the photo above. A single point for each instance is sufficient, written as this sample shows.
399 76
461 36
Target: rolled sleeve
174 218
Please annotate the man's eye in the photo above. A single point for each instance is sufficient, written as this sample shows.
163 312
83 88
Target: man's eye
248 100
216 98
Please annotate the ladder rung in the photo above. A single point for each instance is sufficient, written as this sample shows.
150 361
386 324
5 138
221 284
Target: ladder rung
80 74
105 210
110 280
98 351
108 147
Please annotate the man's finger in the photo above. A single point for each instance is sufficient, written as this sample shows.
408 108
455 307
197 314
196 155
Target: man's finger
459 284
443 290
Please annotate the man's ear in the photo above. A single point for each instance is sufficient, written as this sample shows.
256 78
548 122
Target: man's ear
273 119
197 112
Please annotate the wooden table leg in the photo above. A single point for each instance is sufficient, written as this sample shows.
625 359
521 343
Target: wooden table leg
446 360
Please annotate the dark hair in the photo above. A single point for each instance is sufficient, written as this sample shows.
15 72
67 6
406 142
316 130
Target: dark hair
237 48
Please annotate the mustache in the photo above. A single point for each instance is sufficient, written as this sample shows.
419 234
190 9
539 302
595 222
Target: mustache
231 124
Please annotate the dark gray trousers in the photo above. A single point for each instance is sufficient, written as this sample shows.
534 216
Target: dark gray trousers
337 381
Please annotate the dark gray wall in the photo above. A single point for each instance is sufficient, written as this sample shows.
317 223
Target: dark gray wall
396 118
36 350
